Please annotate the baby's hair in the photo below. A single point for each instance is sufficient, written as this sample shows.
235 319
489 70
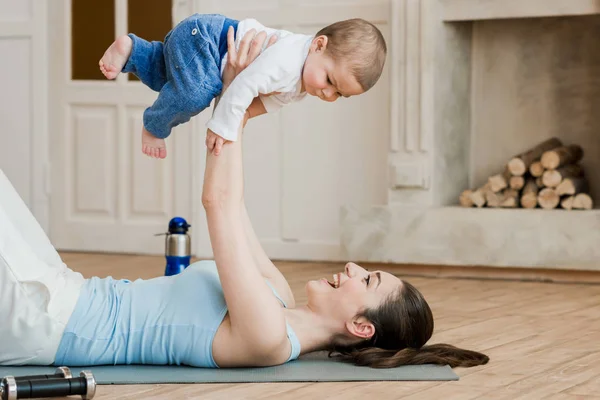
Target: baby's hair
359 43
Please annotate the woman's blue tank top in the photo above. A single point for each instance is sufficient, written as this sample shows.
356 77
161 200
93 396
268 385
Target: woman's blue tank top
164 320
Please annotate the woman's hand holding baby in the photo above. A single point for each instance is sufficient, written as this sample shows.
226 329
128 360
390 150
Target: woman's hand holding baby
237 60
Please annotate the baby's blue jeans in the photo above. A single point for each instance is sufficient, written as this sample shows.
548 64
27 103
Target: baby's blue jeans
185 69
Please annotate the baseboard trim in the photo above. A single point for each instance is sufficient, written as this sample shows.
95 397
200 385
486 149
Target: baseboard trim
486 272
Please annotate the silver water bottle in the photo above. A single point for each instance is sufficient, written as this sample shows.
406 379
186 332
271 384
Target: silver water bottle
177 246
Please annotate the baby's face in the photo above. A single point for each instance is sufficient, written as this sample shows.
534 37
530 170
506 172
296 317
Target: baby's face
325 78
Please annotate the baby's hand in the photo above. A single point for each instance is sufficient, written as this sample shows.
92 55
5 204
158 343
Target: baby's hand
214 142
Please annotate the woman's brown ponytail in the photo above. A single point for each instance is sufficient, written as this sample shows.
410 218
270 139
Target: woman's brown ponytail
403 324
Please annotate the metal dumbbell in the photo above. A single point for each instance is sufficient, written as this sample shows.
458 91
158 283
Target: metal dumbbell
60 384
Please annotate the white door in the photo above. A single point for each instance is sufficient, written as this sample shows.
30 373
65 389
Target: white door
23 106
307 161
105 194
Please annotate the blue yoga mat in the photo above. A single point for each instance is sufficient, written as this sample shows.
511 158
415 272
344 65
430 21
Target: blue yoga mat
311 368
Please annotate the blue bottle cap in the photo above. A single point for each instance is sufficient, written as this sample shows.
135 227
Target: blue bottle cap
178 225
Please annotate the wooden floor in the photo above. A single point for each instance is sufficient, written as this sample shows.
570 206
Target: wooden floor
543 339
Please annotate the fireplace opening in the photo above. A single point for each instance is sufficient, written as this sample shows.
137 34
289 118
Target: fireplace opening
535 114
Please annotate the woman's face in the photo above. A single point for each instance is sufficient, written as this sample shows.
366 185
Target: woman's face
347 293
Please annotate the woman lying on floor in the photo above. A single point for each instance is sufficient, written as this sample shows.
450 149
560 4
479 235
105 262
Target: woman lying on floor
235 311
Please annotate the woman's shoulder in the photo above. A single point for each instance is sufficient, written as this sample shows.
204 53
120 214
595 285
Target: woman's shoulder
233 351
281 290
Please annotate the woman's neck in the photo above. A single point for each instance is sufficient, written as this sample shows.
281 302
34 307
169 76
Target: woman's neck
314 331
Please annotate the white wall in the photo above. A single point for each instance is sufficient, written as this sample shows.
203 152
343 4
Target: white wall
23 103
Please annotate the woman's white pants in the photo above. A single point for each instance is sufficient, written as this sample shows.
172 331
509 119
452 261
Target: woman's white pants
37 291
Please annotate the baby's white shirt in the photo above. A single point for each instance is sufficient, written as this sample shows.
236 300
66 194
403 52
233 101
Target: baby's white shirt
277 69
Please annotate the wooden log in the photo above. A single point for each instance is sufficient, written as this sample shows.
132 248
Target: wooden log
567 202
465 199
539 183
583 201
499 182
478 196
548 198
529 194
520 163
563 155
511 198
553 177
494 199
536 169
516 182
572 186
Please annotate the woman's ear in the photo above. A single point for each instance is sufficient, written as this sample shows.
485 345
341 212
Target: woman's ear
361 327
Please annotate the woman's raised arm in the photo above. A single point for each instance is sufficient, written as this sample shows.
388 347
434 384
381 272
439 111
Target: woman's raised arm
250 48
256 316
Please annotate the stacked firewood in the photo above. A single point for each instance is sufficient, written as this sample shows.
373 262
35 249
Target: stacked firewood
548 175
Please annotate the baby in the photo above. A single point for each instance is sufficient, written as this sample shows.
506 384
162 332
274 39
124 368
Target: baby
343 59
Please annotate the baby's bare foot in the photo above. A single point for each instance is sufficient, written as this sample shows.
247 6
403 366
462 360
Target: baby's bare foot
115 57
153 146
